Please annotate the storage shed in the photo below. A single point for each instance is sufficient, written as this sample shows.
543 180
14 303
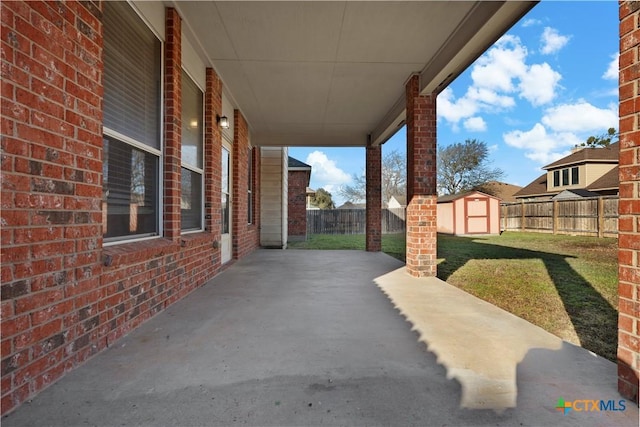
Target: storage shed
472 212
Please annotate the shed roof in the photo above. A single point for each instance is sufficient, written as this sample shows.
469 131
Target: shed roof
453 197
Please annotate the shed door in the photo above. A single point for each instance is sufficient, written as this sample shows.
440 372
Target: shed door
476 215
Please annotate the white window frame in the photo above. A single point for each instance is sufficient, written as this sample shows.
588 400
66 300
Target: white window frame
194 168
111 241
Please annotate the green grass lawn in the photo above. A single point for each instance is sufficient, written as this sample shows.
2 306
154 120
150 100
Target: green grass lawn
567 285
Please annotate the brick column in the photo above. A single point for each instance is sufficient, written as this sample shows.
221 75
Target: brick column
245 237
374 199
172 124
212 158
421 181
629 207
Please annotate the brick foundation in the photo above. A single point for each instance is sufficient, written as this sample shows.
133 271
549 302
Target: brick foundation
629 207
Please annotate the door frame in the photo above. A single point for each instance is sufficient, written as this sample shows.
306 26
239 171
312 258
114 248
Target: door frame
226 252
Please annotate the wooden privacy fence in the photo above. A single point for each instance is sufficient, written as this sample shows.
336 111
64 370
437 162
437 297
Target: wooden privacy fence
352 221
596 216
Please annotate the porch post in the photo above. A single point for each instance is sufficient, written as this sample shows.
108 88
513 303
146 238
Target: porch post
629 204
421 181
374 199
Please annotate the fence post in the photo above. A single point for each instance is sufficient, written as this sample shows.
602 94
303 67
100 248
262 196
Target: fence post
522 225
600 216
555 216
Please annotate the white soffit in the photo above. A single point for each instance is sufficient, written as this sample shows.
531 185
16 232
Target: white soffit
324 73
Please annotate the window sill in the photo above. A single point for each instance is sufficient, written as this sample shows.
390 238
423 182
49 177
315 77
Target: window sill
131 253
196 239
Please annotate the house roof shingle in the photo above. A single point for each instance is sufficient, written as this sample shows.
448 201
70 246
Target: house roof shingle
608 154
295 163
452 197
537 187
501 190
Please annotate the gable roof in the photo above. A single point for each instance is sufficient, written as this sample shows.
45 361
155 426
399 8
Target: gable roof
351 205
452 197
537 187
400 198
295 164
608 154
574 193
501 190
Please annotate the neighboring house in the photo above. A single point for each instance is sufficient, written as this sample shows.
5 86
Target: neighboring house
503 191
310 194
350 205
586 172
471 212
397 201
299 176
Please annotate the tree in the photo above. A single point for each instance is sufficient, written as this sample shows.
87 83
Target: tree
394 179
603 140
462 166
322 199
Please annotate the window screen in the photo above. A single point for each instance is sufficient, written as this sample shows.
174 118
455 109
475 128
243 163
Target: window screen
131 162
130 187
192 137
132 75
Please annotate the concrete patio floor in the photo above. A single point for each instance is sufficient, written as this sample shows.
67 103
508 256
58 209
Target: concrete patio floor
297 338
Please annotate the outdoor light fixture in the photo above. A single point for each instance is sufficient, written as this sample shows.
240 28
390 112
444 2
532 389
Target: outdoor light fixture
223 122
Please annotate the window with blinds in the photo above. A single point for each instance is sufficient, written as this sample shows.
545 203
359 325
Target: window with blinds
132 125
192 155
132 75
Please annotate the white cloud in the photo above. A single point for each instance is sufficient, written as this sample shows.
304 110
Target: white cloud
538 84
538 144
552 41
475 124
531 22
489 97
612 70
325 172
454 110
580 117
497 68
498 76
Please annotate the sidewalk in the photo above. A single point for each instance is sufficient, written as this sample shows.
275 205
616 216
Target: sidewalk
303 337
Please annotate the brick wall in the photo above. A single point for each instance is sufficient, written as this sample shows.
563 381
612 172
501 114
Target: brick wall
51 191
245 236
172 124
421 181
65 297
629 205
297 206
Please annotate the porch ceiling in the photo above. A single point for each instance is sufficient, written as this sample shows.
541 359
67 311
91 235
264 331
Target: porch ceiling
324 73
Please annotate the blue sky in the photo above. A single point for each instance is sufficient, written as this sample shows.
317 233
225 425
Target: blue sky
546 85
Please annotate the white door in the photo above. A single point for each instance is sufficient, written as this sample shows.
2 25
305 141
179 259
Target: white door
225 239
